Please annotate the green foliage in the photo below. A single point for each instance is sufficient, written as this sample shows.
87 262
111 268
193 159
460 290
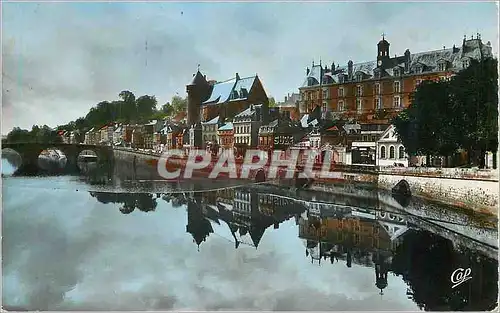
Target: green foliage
37 134
179 104
272 102
447 115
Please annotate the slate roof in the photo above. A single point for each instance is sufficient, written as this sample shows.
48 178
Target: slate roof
231 90
246 113
471 48
215 120
221 92
227 126
242 88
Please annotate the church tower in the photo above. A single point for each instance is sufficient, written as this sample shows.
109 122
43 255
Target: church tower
198 91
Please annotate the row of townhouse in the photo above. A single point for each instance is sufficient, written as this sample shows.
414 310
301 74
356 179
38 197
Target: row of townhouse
149 136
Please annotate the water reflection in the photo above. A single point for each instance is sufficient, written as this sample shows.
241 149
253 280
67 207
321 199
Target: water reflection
383 240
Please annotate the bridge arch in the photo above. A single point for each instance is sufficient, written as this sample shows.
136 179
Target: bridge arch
260 176
30 153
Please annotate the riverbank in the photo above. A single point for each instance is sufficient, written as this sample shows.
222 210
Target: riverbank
470 189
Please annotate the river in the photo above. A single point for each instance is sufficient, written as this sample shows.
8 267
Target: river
71 245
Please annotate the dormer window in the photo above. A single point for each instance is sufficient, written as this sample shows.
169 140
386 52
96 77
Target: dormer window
377 73
418 69
397 72
341 78
442 66
359 76
244 92
465 63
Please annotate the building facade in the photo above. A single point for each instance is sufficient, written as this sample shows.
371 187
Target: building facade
377 90
390 150
226 136
208 99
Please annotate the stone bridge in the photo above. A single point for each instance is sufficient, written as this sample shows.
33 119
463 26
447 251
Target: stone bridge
30 152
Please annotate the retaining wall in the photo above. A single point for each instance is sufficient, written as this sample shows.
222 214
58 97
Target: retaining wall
477 189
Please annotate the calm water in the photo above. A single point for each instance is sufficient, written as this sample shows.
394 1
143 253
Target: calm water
70 246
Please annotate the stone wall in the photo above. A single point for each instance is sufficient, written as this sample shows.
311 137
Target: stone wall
475 190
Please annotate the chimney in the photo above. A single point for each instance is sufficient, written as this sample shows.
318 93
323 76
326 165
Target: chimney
349 69
407 60
258 113
307 71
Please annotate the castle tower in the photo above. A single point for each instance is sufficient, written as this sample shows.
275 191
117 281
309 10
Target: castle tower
198 91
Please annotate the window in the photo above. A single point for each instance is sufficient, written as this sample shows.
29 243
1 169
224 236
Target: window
397 101
465 63
359 90
391 152
324 107
378 103
382 152
377 74
397 72
442 66
418 69
341 106
397 87
326 94
377 88
401 152
341 91
418 82
359 106
359 76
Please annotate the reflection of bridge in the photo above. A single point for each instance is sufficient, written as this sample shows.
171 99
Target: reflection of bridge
30 152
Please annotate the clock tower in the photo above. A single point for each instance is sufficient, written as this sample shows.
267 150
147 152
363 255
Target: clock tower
382 52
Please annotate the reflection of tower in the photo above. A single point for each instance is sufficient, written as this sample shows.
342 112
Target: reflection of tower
381 270
198 91
198 226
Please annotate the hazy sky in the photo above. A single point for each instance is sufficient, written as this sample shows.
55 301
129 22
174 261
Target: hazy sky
60 59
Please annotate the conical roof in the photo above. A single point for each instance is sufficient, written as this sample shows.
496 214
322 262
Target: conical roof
198 79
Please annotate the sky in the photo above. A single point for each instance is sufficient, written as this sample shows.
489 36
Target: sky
60 59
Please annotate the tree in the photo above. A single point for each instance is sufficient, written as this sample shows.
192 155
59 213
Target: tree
167 109
146 106
179 104
272 102
475 93
129 107
447 115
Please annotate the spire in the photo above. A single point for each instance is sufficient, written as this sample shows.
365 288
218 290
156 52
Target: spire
383 36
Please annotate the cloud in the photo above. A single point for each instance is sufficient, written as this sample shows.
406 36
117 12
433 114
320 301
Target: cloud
60 59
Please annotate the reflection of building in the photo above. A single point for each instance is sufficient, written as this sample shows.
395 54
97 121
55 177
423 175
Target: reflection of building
198 226
364 237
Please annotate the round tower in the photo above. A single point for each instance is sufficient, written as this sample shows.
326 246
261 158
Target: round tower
197 92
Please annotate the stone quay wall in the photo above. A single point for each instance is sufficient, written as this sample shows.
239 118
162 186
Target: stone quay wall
477 189
470 188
